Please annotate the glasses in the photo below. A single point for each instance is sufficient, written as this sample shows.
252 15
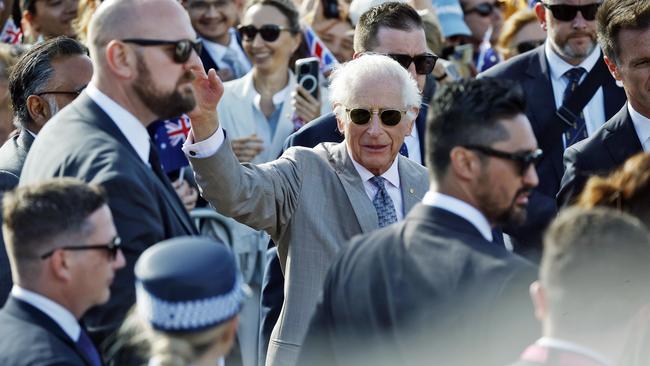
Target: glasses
523 159
182 48
111 248
73 93
567 13
361 116
526 46
424 63
268 32
485 9
204 6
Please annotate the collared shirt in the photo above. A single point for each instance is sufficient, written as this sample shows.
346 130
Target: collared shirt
134 131
391 176
641 126
217 51
278 100
460 208
412 142
56 312
594 111
550 342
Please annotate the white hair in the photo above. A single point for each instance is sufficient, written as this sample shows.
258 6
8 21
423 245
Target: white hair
345 80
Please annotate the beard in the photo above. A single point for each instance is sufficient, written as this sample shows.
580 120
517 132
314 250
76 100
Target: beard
492 207
164 105
568 51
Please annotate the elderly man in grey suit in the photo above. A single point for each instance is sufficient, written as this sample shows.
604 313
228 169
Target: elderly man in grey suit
311 201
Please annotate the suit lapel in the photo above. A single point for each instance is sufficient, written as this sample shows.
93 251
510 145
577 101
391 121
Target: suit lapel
206 59
622 141
411 193
353 186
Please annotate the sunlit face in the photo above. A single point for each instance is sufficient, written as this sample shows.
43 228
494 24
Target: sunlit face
479 23
54 18
572 40
269 56
338 37
531 34
501 190
213 18
412 43
375 145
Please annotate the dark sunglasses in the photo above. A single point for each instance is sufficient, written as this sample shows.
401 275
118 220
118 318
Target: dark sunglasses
526 46
182 48
361 116
424 63
485 9
523 159
268 32
111 248
567 13
72 93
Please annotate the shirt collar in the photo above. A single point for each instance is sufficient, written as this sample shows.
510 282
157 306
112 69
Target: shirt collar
216 50
460 208
558 66
573 347
62 316
129 125
391 175
641 124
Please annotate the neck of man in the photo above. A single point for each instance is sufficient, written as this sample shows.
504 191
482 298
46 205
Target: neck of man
223 39
127 99
55 292
570 60
459 191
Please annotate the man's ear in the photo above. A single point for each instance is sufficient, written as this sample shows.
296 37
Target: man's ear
59 266
121 59
39 110
464 163
538 296
540 11
340 122
613 68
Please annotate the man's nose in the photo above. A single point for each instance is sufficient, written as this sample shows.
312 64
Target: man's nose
119 261
530 177
375 124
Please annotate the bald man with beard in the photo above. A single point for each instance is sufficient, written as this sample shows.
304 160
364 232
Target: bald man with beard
143 73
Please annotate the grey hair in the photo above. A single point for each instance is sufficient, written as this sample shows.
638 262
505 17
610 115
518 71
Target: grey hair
345 79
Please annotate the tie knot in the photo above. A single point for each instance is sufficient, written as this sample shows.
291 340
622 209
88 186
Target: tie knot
575 74
378 182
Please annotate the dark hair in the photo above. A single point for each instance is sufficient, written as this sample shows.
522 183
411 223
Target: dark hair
36 216
286 7
33 71
597 257
615 15
29 5
392 15
468 112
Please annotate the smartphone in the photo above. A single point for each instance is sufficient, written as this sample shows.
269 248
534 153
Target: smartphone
330 9
307 72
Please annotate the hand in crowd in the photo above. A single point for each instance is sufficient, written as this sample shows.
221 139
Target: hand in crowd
208 90
305 105
247 148
186 193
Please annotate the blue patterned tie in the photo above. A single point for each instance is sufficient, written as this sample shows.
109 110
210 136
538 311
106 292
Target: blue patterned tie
383 204
88 348
404 151
578 131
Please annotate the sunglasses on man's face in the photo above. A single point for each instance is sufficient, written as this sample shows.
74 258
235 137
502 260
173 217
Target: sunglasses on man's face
526 46
389 117
567 13
424 63
182 48
268 32
484 9
111 248
524 160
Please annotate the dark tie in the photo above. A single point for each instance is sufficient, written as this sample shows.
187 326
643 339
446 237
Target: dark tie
86 346
383 204
578 131
404 150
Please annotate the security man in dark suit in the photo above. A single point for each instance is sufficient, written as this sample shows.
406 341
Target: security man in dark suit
64 252
435 289
568 65
142 73
624 34
47 78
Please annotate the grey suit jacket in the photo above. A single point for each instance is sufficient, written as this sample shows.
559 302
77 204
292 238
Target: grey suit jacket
311 202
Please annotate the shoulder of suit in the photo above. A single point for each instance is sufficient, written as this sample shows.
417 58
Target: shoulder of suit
511 67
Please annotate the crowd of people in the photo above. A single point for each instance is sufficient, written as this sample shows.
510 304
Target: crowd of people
334 182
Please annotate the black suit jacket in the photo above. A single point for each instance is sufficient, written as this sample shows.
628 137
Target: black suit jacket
12 157
532 72
426 291
599 154
28 337
82 141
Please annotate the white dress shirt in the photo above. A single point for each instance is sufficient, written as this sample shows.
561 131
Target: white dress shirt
134 131
217 51
460 208
56 312
594 111
641 126
575 348
412 142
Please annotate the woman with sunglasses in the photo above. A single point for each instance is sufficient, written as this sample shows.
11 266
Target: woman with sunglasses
258 109
520 33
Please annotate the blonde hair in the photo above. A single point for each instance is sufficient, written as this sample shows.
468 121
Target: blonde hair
511 27
85 11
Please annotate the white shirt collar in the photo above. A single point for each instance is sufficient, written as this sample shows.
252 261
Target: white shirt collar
129 125
460 208
216 50
558 66
391 175
278 98
62 316
570 346
641 124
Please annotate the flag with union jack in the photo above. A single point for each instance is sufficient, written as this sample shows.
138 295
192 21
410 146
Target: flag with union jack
11 33
169 136
318 49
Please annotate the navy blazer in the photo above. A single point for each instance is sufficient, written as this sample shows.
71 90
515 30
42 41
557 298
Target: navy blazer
29 337
599 154
429 290
532 72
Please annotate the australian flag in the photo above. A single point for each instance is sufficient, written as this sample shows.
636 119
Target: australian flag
318 49
169 136
11 33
